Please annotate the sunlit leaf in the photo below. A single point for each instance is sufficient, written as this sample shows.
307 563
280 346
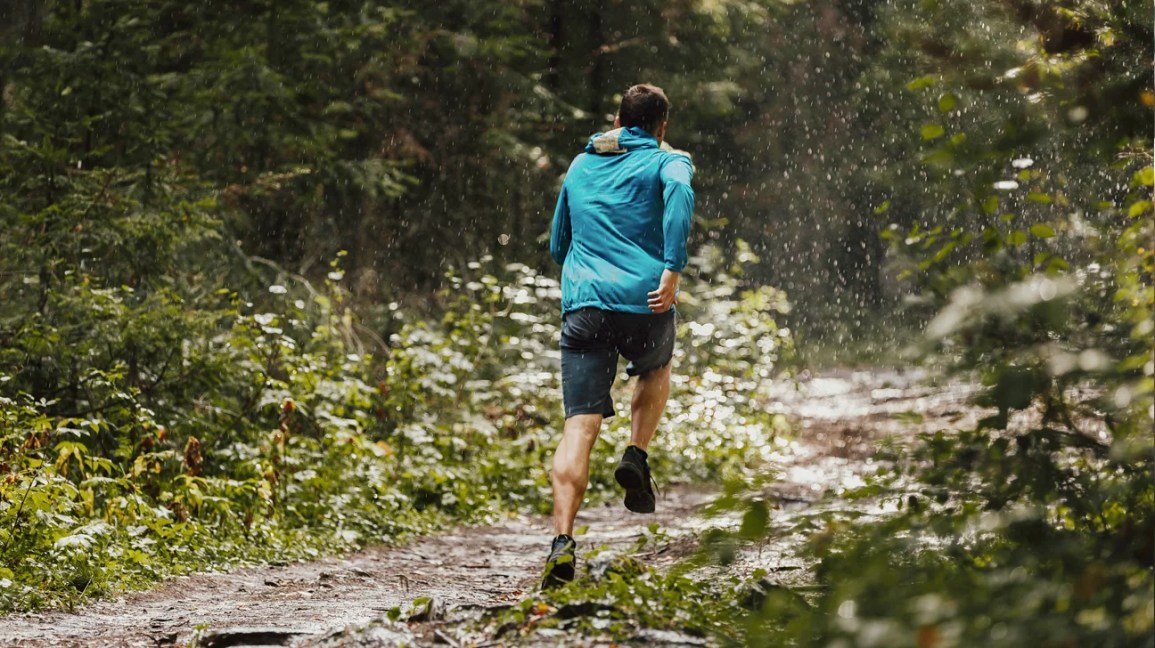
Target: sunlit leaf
1146 176
1042 230
990 204
921 82
944 251
932 131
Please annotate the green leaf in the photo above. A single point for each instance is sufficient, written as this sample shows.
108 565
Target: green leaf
1042 230
944 251
1043 198
1015 388
1016 237
1146 176
921 82
947 103
1139 208
992 240
990 204
932 131
755 521
881 209
939 157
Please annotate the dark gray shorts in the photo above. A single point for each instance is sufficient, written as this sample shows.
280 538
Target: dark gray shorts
592 339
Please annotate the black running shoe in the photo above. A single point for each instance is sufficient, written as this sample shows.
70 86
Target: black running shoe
633 474
562 563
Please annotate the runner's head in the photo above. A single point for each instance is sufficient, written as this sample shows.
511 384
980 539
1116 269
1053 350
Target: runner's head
644 106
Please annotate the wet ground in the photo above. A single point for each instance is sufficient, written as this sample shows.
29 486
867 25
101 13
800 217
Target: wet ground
841 417
468 568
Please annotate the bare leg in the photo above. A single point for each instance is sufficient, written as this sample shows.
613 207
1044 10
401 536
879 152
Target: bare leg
571 468
649 400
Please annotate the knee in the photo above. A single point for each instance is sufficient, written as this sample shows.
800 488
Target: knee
568 470
583 428
565 472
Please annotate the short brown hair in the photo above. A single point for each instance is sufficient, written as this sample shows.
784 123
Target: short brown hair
644 106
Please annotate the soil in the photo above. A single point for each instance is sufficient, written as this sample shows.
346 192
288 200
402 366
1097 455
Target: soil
840 416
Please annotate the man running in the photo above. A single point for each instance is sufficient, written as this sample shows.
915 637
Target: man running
619 232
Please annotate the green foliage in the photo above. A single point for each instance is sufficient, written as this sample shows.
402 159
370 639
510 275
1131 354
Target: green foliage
169 401
244 441
1015 169
177 431
173 402
1037 525
379 127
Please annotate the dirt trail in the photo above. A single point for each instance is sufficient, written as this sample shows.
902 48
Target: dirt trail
841 416
467 567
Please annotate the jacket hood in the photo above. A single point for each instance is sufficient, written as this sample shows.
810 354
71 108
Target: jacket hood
621 140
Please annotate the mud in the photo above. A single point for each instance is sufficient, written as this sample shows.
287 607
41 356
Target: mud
841 417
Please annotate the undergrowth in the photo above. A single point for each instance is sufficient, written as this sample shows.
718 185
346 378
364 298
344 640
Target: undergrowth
271 430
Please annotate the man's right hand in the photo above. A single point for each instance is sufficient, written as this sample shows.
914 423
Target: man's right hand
666 295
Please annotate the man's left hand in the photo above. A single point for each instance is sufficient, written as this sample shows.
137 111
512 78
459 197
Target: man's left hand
666 295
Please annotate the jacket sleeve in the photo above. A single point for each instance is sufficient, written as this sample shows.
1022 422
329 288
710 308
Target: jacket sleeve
560 236
678 198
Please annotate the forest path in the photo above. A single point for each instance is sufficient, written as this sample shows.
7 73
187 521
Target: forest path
841 415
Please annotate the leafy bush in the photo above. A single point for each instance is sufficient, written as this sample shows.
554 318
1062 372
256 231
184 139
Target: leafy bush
197 429
1038 525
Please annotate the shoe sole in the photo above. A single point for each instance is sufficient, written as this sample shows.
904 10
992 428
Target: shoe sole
638 499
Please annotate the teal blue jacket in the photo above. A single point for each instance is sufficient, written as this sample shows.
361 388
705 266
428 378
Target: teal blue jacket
622 217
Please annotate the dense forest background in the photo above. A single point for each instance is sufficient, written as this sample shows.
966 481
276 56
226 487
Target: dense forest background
416 136
274 274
